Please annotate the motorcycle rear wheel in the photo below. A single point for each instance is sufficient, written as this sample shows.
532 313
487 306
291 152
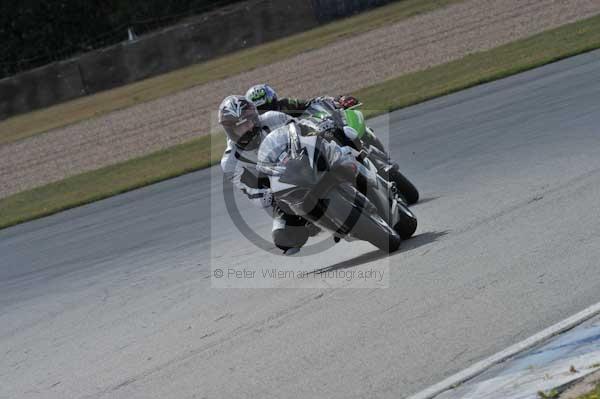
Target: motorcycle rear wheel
405 188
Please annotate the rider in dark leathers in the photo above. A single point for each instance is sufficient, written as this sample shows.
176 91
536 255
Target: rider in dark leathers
266 99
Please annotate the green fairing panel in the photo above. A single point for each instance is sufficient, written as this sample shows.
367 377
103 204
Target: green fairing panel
356 120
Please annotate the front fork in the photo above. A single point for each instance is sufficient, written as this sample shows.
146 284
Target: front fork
372 140
381 166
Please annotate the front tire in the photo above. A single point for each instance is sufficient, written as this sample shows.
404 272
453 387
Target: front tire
383 237
350 206
407 225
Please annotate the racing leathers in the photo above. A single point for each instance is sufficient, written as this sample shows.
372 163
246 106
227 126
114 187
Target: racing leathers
239 166
295 107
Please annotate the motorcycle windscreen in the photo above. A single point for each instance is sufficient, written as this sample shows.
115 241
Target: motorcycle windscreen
324 109
273 153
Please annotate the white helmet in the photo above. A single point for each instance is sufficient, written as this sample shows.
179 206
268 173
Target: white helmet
239 118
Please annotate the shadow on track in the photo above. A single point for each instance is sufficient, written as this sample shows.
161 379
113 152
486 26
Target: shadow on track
421 239
408 245
425 200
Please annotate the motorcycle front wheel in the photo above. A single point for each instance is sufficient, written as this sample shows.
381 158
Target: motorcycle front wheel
407 225
352 211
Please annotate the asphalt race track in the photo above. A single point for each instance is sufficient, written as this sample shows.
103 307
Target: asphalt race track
114 299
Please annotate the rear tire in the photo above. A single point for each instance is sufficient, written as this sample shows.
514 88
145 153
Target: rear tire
405 188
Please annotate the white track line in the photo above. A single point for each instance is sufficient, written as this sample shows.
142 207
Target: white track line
511 351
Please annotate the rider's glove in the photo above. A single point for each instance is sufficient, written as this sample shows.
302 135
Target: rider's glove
261 198
347 101
267 200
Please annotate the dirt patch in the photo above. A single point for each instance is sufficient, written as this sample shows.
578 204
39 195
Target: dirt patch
582 387
414 44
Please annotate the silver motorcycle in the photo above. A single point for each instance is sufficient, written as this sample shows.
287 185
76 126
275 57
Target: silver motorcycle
324 183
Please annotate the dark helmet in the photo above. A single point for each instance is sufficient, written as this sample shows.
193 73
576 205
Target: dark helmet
239 118
264 97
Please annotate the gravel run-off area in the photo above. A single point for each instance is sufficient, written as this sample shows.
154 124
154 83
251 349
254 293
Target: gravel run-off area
410 45
582 387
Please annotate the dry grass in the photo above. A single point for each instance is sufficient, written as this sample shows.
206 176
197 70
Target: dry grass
484 67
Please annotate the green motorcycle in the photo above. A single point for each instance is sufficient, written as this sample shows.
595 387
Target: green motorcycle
351 130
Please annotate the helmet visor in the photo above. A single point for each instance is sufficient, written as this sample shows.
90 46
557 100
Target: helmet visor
235 131
250 140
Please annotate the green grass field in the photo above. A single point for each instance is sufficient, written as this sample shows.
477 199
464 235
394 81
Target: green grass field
405 90
112 180
30 124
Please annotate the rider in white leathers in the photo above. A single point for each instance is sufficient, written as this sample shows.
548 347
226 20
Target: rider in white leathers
245 130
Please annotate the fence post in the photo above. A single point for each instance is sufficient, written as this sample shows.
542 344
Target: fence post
131 34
